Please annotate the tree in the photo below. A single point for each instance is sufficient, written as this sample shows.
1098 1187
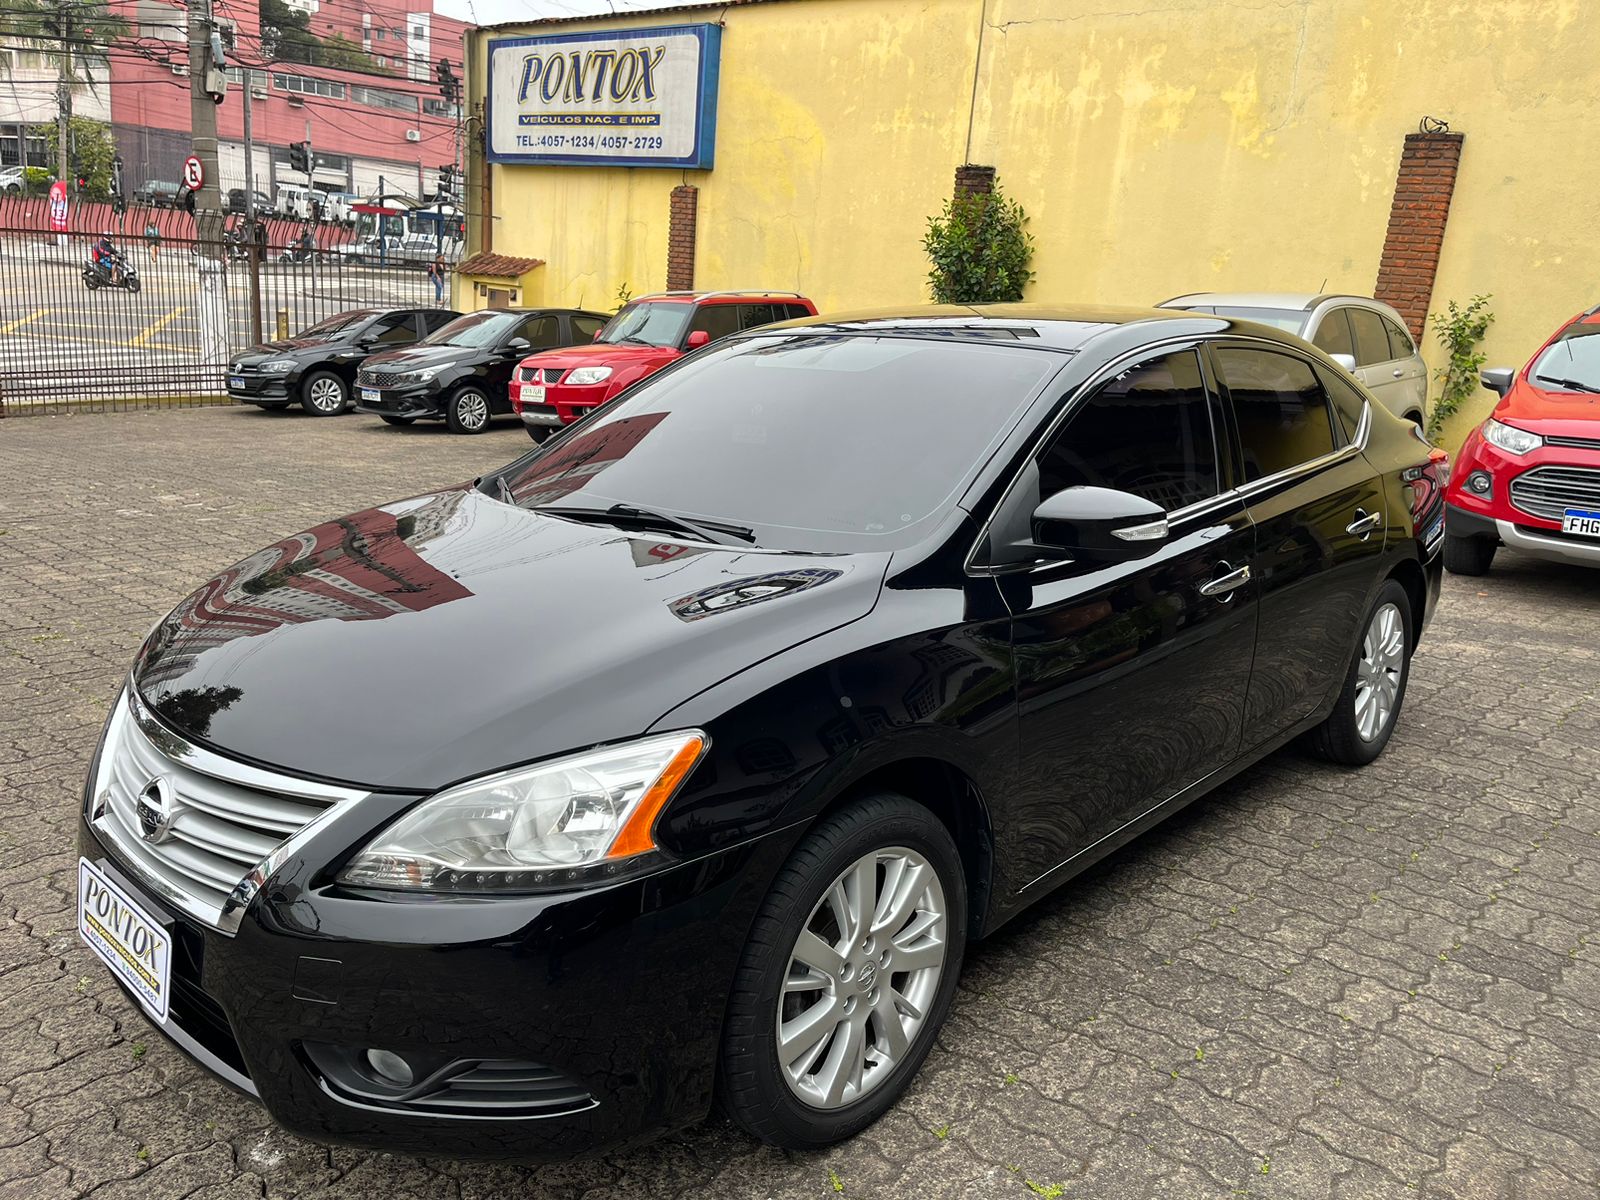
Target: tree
91 151
73 37
979 250
287 37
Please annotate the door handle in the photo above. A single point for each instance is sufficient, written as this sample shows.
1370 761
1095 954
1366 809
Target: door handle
1364 524
1222 586
1398 373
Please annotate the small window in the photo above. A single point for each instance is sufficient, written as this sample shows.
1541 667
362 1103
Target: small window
797 311
543 333
1333 335
1372 342
752 316
584 328
1400 345
719 320
1147 432
396 329
1348 401
1280 407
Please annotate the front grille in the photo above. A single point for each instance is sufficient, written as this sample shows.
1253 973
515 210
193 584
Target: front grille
1574 443
378 378
222 819
1549 491
194 1010
540 410
539 374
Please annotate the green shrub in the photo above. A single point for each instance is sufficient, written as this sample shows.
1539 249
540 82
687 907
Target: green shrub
979 250
1459 331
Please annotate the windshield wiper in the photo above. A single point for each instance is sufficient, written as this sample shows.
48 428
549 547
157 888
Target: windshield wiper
1574 384
708 531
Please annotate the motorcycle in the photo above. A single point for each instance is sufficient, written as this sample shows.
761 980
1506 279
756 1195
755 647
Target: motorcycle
126 276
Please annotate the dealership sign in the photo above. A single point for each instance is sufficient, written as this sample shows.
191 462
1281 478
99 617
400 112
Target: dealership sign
627 98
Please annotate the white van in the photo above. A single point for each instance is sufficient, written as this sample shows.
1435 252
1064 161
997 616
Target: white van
294 202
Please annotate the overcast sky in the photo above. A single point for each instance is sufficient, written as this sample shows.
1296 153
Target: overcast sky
494 12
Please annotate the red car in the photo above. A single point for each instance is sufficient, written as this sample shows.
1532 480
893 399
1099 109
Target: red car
1529 476
555 387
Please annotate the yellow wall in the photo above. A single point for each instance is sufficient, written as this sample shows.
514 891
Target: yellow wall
1197 145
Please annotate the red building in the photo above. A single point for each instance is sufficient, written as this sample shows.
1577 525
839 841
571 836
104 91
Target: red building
387 123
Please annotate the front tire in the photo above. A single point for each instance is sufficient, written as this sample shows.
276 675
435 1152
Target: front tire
467 411
1374 689
1468 555
324 394
848 973
539 433
134 285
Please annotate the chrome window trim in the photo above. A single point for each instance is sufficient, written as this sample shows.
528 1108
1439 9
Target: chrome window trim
130 707
1201 508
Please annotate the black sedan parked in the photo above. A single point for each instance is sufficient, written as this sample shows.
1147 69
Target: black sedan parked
461 374
317 367
820 709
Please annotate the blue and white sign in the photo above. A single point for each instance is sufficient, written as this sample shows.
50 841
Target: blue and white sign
625 98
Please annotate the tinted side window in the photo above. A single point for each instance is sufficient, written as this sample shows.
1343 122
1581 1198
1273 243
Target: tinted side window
584 328
1148 432
1372 342
752 315
1281 409
1347 400
796 311
719 320
1399 340
432 320
396 329
1333 335
542 332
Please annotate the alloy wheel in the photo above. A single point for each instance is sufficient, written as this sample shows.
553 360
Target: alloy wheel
1378 676
326 395
862 977
472 410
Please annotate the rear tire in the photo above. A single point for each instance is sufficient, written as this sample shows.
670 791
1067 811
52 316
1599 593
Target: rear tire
387 419
860 1025
1468 555
1374 689
467 411
134 285
324 394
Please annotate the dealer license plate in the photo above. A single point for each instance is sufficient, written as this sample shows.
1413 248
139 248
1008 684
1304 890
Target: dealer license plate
371 396
129 940
1582 521
533 393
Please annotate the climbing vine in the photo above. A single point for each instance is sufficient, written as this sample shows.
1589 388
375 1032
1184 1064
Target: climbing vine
1460 330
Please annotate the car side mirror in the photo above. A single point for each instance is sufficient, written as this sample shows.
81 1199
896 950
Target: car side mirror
1099 525
519 344
1498 379
699 338
1347 361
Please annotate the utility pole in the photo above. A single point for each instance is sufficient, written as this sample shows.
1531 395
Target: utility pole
63 89
252 247
208 218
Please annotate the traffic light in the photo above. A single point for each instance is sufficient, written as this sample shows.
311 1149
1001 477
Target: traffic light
447 181
449 85
300 156
83 183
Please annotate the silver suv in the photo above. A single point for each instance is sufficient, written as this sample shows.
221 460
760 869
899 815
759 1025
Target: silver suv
1367 338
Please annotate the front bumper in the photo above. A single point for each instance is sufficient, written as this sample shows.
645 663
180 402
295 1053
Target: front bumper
263 389
416 400
618 991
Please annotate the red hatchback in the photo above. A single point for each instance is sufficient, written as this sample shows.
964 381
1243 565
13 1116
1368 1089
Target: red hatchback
555 387
1529 476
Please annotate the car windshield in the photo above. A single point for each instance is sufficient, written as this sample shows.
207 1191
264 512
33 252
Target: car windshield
1290 320
1571 363
476 329
813 443
658 323
333 326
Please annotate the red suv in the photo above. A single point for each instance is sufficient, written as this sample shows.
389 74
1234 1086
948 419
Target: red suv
1529 476
556 387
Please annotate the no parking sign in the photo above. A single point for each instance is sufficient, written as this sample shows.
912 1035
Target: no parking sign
194 175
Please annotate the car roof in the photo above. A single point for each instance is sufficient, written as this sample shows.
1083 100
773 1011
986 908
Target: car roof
719 297
1046 326
1294 301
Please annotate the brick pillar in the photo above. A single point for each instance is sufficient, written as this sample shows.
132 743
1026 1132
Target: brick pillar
1421 207
681 219
971 179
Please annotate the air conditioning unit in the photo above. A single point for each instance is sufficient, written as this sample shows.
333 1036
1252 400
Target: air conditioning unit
259 92
413 135
296 101
180 68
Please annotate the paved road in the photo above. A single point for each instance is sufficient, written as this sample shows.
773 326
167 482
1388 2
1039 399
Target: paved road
1315 983
52 327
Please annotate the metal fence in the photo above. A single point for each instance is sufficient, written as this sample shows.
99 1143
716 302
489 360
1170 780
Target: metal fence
66 345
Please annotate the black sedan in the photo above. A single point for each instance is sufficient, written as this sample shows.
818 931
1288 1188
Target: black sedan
317 367
461 375
818 710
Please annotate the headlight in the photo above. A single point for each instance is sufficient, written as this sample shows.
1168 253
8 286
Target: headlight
1512 441
278 366
522 830
585 375
423 376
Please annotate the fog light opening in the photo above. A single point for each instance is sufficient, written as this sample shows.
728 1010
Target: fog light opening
391 1067
1479 483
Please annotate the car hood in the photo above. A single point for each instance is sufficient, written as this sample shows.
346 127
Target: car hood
414 358
287 346
596 354
451 635
1553 414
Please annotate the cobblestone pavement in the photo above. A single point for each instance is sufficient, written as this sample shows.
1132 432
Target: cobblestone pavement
1314 983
